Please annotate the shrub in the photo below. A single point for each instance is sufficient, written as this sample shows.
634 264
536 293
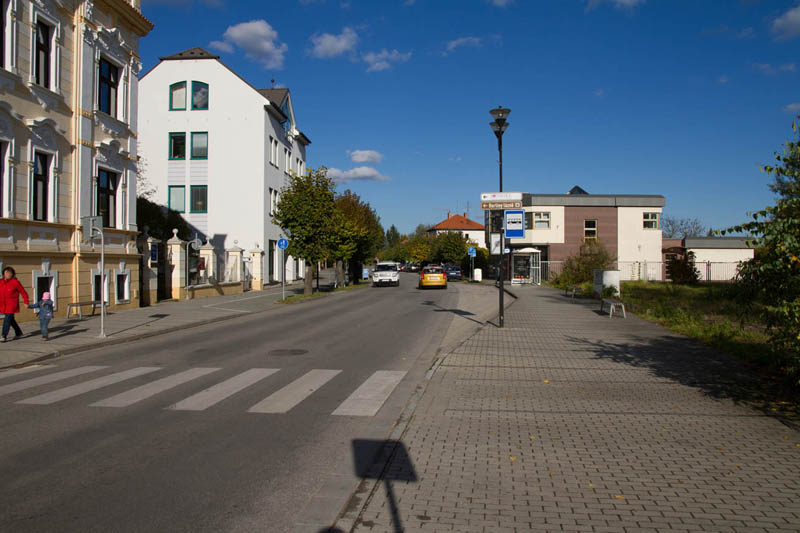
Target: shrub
580 268
681 270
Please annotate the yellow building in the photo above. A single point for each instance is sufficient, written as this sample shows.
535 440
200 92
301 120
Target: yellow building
68 121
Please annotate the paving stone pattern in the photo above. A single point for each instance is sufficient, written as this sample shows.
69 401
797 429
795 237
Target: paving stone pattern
567 420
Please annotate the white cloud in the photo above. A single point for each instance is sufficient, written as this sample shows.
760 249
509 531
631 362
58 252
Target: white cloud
619 4
222 46
787 26
383 60
792 108
474 42
456 159
723 79
328 45
771 70
258 40
599 92
356 174
365 156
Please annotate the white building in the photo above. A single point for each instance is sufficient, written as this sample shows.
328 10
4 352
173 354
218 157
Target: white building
219 151
718 258
455 223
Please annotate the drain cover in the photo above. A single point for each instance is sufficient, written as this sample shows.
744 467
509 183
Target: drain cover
288 351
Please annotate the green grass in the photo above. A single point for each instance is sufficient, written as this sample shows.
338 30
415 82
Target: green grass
303 297
708 313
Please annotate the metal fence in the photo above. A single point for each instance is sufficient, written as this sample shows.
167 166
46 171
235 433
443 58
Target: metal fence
651 270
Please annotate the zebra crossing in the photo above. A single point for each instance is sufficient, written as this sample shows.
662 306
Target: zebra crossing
365 401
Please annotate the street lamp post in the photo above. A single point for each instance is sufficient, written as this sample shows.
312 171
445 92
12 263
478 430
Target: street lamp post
499 126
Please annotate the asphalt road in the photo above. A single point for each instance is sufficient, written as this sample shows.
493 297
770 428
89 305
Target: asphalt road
132 463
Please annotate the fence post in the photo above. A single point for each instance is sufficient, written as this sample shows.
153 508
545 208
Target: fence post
209 256
233 263
149 294
257 268
646 276
708 270
177 261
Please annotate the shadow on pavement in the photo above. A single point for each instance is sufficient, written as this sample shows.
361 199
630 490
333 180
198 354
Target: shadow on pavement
692 364
385 460
458 312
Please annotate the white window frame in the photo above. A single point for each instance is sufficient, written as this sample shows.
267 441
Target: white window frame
657 220
96 192
287 160
541 218
9 38
96 272
121 87
5 171
121 271
51 209
595 229
37 13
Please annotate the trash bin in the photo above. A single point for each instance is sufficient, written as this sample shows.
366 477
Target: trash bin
478 275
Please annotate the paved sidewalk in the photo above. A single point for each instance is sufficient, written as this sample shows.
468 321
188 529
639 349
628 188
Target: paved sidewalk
74 335
568 420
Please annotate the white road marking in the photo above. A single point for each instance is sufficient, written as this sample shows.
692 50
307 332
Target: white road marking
24 370
151 389
212 395
88 386
372 394
44 380
295 392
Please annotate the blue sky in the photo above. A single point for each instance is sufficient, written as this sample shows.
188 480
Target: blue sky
684 98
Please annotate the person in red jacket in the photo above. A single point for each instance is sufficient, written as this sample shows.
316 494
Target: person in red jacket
10 290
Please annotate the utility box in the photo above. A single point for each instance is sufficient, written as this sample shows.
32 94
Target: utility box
605 278
478 275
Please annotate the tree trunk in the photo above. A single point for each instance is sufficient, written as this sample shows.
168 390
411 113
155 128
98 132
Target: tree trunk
308 282
340 273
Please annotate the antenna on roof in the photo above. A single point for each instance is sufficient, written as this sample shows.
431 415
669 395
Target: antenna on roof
273 82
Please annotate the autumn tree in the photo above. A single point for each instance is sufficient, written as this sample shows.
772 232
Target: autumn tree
370 232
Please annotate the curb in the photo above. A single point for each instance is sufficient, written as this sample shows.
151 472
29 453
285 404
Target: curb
141 336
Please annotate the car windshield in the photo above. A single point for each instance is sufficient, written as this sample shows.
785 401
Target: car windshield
386 268
433 270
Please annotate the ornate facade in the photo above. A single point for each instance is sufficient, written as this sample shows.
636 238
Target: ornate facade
68 134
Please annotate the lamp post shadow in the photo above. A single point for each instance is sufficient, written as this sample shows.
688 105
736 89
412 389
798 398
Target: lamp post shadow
385 460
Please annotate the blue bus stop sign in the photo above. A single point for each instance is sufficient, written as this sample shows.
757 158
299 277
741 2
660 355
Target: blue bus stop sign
283 244
515 224
471 251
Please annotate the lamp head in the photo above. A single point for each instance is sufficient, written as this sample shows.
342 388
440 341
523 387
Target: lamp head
500 114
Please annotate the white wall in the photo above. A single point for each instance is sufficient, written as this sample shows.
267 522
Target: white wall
237 172
554 235
721 255
634 242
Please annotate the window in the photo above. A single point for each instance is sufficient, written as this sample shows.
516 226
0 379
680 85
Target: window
199 145
98 294
199 200
41 179
177 198
589 230
541 221
177 146
177 96
287 159
528 220
271 201
107 95
3 160
273 151
199 95
107 197
2 33
122 288
650 221
42 58
43 285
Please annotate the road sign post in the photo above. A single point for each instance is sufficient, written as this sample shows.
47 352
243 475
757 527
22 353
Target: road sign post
91 227
471 252
282 245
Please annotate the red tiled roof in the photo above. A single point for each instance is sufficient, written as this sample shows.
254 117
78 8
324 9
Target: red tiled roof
457 222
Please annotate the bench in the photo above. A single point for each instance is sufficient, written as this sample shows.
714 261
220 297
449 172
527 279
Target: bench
79 307
574 289
612 303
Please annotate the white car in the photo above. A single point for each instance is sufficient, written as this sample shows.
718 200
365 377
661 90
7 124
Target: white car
386 273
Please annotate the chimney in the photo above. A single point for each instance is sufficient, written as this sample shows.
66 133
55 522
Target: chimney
448 214
465 214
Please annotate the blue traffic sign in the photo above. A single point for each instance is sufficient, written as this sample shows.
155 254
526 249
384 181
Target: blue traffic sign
515 224
471 251
283 244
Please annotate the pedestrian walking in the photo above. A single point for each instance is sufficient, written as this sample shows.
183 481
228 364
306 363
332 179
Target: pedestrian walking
45 307
10 291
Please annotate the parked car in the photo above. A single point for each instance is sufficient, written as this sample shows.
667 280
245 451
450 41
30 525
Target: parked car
413 267
386 273
454 273
433 276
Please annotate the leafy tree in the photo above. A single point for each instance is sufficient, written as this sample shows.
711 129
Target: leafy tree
773 276
580 268
681 269
344 239
370 236
392 236
681 228
421 230
419 249
449 247
160 221
307 211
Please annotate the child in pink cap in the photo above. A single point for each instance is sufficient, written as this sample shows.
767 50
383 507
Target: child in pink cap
45 307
